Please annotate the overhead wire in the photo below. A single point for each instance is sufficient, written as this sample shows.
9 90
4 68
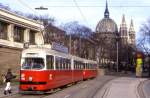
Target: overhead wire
35 12
26 5
100 6
84 18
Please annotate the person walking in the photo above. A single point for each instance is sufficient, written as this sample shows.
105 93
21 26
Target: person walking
8 77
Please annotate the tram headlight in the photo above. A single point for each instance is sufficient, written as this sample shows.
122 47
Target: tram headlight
22 76
84 73
50 76
30 78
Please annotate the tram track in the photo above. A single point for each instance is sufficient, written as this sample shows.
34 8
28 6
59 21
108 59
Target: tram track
140 89
99 87
87 89
90 89
137 89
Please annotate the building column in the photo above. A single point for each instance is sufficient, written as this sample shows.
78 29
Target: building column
39 40
10 32
26 35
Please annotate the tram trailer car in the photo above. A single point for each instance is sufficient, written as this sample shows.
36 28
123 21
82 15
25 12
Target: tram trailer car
90 69
43 69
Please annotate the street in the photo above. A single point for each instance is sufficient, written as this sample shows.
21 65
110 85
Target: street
100 87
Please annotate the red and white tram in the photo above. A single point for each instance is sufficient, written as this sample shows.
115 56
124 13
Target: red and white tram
43 69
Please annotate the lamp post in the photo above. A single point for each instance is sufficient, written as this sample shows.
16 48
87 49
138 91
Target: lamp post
41 30
41 8
117 45
70 39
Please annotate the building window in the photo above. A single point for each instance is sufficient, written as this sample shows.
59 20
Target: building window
3 30
32 37
18 34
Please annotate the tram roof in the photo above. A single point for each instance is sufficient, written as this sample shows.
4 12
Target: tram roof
49 51
46 51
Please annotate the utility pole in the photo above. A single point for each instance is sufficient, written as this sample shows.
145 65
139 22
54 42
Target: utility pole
70 43
117 42
117 56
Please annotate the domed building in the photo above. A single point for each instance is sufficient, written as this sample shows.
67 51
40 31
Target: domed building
105 34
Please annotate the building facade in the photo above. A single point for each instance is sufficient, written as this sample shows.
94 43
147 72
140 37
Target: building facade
127 42
108 35
105 34
16 30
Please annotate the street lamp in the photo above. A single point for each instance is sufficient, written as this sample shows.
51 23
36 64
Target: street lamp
41 8
117 43
41 30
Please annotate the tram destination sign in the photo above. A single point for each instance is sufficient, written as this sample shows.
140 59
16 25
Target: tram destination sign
59 47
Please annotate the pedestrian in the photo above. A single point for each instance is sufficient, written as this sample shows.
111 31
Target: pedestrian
8 77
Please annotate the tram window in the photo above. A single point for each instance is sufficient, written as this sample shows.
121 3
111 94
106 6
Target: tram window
64 63
84 66
91 66
88 66
50 61
57 62
75 64
67 63
33 63
61 63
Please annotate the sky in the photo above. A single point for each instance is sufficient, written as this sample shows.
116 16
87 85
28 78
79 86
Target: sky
87 12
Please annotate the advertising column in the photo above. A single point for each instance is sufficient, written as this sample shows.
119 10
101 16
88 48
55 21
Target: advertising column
139 63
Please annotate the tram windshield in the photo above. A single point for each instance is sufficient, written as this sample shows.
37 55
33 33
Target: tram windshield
33 63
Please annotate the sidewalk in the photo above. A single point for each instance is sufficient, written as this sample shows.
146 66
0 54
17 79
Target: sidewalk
123 87
14 90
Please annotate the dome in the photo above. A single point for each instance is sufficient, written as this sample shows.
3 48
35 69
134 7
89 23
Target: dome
106 25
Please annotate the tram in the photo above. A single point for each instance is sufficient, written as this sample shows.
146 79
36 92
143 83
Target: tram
89 70
43 69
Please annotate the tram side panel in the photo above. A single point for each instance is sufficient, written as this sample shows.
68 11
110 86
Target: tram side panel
60 78
44 80
90 71
89 74
77 75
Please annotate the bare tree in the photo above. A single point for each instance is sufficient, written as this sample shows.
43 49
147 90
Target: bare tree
77 29
144 41
79 39
46 19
